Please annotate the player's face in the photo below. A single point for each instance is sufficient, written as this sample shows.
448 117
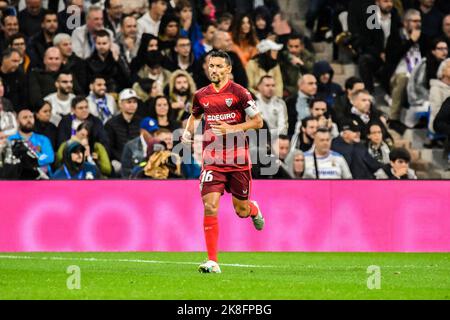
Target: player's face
218 69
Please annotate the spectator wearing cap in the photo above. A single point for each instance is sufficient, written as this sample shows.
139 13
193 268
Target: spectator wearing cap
150 22
324 163
135 150
13 79
43 39
83 38
123 127
42 82
272 108
101 104
362 165
294 62
398 168
265 63
75 166
30 18
377 147
40 144
95 152
71 62
80 114
61 100
108 62
298 103
42 123
326 88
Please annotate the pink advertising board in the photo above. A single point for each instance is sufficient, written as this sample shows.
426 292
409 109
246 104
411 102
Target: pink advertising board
398 216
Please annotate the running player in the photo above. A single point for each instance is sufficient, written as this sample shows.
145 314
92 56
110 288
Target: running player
226 160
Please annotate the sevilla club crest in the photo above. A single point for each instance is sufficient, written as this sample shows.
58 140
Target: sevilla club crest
229 102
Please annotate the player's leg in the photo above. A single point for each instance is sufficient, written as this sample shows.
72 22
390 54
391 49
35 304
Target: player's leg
240 186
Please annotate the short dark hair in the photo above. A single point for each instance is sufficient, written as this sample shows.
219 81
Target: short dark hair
399 153
16 36
182 38
295 36
350 82
306 120
323 130
6 16
95 77
77 100
125 16
315 100
220 54
102 33
7 53
225 16
266 76
48 12
205 26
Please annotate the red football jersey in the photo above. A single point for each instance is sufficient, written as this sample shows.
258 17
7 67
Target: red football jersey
229 152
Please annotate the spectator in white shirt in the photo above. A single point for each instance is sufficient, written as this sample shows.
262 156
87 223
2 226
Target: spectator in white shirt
272 108
61 100
149 22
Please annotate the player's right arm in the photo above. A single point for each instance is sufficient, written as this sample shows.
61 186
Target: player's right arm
194 118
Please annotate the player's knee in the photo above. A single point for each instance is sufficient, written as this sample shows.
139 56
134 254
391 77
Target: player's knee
210 209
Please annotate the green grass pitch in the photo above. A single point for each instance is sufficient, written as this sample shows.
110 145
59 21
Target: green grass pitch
245 275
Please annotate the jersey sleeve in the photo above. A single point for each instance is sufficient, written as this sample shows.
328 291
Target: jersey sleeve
197 108
247 103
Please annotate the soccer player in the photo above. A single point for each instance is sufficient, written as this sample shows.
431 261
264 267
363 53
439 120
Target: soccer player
226 161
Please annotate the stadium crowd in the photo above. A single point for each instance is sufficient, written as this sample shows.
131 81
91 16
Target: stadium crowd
99 89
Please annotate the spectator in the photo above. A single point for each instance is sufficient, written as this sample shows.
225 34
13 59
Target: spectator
404 52
222 41
168 32
362 165
192 167
303 138
439 92
322 162
244 38
398 168
282 27
188 26
362 112
181 93
135 150
13 79
10 166
83 38
108 62
265 63
40 144
75 166
10 26
343 105
43 125
8 123
272 108
431 18
153 69
294 62
80 114
113 15
149 22
280 150
128 39
419 82
204 45
162 111
72 63
61 100
441 125
377 147
43 39
123 127
224 22
95 152
18 42
101 104
446 29
318 109
298 103
146 89
181 56
31 17
148 44
371 42
64 16
42 81
296 164
165 136
326 88
262 20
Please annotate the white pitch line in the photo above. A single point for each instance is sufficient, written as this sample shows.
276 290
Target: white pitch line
129 260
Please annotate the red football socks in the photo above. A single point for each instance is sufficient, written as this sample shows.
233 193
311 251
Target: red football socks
253 209
211 227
